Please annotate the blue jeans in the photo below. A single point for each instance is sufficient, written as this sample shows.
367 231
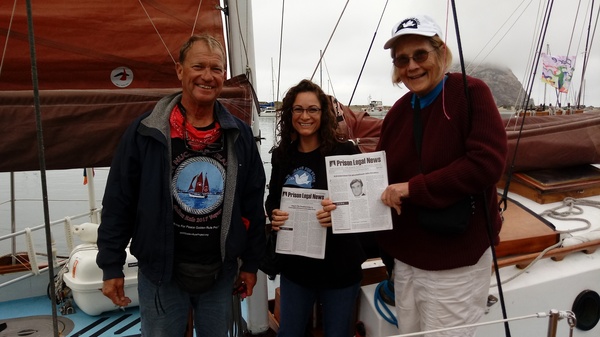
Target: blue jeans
164 309
296 304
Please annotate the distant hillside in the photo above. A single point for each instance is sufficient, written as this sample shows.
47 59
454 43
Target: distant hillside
504 84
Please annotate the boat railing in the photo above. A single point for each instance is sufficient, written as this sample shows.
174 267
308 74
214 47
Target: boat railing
93 214
18 264
554 316
31 262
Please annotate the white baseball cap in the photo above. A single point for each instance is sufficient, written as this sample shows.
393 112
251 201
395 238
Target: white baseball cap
418 24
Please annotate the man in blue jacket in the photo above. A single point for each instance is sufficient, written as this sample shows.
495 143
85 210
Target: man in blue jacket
185 190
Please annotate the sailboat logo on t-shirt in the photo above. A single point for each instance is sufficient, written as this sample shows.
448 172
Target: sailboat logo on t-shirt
198 185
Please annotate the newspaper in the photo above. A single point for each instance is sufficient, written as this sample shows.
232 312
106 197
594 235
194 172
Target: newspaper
302 234
355 184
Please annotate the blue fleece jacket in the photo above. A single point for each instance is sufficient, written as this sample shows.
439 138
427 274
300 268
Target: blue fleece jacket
137 204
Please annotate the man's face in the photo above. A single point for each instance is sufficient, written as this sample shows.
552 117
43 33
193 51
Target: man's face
202 74
356 188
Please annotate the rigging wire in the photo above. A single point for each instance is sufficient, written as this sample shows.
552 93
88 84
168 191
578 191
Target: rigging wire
540 45
557 90
196 18
157 32
280 48
489 228
522 94
12 16
566 211
572 93
538 53
368 52
502 38
243 38
225 11
588 47
573 29
329 77
328 41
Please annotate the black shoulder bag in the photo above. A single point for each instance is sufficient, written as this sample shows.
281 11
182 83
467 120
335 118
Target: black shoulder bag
448 221
271 262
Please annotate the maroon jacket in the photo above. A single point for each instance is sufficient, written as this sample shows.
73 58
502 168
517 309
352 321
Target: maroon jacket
457 160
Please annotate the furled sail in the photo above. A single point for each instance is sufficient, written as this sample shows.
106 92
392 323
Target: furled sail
100 64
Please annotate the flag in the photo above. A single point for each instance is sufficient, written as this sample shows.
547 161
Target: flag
557 71
85 178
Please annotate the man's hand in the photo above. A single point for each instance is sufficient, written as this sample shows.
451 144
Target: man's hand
249 279
114 289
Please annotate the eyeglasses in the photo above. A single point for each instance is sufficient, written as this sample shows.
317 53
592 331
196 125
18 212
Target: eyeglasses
312 110
419 56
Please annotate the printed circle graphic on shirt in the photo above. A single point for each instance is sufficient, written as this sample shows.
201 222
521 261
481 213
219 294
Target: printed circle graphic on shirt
198 185
302 177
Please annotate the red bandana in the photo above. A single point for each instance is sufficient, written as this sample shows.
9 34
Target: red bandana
196 139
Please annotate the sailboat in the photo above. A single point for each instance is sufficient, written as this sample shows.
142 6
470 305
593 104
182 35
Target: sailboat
199 187
88 69
83 122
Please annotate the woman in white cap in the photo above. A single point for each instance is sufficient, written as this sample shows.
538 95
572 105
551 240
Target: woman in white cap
445 154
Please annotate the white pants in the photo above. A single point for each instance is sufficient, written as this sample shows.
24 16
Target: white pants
430 300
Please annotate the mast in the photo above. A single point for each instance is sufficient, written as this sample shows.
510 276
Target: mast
241 57
240 45
205 187
199 184
272 81
546 84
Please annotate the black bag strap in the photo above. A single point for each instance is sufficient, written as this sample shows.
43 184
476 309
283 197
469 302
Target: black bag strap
418 130
417 126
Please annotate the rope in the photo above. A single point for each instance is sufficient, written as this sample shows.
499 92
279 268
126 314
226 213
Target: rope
486 207
368 52
236 328
588 47
502 203
387 315
573 207
244 47
196 18
157 32
470 69
330 37
280 48
561 314
539 257
12 15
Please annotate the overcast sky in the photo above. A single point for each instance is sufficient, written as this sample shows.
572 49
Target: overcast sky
500 32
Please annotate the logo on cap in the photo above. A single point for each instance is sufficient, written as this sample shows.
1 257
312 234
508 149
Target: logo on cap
412 23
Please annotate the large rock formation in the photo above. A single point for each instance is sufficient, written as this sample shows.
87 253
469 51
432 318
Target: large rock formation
505 86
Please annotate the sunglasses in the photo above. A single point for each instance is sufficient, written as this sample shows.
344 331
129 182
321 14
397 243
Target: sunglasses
207 148
419 56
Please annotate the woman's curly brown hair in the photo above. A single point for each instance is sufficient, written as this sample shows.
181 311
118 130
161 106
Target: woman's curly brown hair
327 130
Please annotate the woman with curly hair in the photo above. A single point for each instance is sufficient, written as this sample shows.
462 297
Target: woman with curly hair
307 131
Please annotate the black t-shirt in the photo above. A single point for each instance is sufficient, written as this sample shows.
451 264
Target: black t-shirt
343 252
197 188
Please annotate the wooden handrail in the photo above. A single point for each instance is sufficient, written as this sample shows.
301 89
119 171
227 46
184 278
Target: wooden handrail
556 254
